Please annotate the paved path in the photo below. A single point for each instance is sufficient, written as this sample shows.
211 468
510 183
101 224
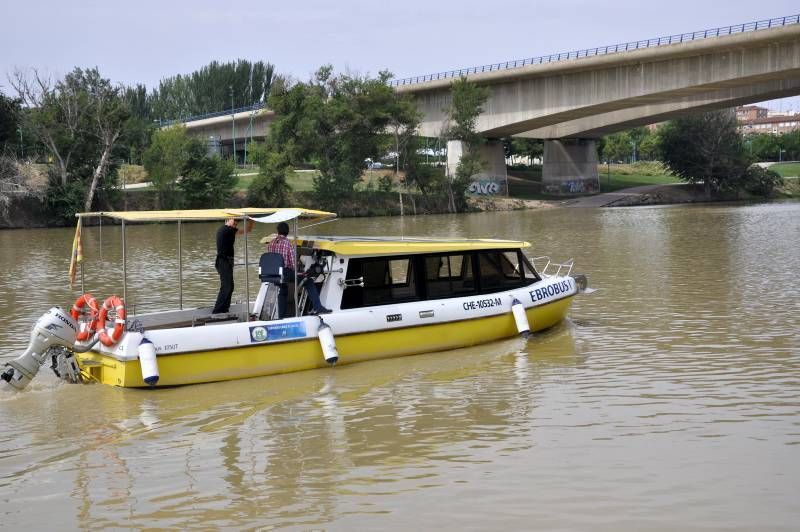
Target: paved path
133 186
609 198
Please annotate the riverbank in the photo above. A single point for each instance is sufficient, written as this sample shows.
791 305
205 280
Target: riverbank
649 190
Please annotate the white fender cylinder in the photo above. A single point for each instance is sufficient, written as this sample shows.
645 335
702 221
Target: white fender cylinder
147 359
520 317
328 343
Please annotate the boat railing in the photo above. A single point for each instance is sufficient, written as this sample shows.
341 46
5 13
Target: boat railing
550 268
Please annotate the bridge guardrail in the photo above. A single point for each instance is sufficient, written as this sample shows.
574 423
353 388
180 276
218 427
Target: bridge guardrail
604 50
254 107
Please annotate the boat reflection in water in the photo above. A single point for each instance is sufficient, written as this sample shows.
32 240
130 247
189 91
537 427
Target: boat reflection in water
300 449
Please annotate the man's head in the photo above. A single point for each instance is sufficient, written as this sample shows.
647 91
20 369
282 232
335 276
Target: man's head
283 228
231 222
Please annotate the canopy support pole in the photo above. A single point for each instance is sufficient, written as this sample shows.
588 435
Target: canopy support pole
246 272
180 269
124 268
296 270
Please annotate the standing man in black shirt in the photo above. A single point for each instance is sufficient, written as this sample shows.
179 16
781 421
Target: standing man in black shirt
226 237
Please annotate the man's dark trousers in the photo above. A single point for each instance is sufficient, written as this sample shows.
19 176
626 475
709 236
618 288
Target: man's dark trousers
224 266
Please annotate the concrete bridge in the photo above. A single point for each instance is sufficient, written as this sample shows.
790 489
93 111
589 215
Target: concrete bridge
229 132
573 98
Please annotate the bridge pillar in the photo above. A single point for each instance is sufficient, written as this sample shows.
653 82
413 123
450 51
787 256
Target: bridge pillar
492 180
570 167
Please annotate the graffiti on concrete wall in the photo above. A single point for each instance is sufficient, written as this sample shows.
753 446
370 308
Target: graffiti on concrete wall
485 187
573 186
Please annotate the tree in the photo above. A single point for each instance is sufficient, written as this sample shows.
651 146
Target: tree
761 181
790 143
78 120
637 144
269 187
334 121
215 87
165 160
430 180
205 181
636 136
763 146
522 147
135 137
705 148
404 119
617 147
176 162
9 111
465 107
648 148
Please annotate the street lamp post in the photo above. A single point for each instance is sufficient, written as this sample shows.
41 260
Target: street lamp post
233 127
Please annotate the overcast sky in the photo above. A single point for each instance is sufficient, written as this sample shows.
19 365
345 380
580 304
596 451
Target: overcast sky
146 40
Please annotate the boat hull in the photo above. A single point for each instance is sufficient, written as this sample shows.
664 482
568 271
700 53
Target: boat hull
302 354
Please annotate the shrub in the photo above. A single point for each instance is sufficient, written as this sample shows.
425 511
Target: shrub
761 181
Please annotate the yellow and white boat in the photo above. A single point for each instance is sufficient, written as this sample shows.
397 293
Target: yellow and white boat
389 297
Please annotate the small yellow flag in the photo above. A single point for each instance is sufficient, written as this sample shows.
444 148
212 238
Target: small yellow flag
77 254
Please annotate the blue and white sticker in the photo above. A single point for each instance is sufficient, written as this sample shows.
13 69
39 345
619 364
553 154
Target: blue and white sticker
278 331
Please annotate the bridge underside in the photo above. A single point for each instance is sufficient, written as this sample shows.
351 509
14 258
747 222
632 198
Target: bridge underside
602 124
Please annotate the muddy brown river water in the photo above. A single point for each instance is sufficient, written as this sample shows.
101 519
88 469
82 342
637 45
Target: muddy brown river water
670 400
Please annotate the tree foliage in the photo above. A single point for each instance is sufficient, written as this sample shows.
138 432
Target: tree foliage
617 147
705 148
334 122
215 87
519 147
206 182
165 160
637 144
465 107
760 181
78 121
649 148
9 111
184 174
269 187
770 147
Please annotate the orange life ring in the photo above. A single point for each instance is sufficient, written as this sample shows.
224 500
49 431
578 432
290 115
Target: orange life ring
112 303
87 300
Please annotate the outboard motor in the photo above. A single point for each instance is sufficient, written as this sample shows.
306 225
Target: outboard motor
56 329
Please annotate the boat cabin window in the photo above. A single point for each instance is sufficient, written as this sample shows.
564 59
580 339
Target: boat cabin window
386 280
449 275
400 279
503 270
